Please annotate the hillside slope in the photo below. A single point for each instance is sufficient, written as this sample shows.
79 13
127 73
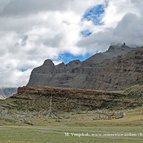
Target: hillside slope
39 99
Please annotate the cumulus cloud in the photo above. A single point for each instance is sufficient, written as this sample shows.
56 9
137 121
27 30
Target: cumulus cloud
116 10
122 23
34 30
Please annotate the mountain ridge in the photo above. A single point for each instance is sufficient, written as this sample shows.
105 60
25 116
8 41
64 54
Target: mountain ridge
116 68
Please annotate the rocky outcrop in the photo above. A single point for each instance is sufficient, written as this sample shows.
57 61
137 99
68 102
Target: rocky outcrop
38 98
44 98
117 68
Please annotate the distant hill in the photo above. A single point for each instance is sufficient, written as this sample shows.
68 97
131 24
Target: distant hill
7 92
119 67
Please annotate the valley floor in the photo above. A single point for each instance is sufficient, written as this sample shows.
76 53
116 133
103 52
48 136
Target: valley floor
68 129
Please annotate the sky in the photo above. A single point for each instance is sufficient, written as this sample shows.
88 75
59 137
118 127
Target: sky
32 31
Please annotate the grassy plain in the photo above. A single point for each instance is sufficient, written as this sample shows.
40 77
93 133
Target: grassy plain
53 130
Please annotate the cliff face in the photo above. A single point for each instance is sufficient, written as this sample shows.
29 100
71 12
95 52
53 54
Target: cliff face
118 67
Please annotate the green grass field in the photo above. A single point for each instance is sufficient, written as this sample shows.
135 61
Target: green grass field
24 134
53 131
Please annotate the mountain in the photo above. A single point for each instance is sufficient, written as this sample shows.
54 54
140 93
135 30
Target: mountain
7 92
119 67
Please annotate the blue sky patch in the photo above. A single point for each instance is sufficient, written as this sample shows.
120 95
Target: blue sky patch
95 14
67 57
86 33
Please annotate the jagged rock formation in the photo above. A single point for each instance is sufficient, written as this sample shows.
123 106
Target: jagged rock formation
119 67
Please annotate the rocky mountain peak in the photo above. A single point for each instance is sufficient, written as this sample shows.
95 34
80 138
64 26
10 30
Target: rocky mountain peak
48 62
114 51
118 48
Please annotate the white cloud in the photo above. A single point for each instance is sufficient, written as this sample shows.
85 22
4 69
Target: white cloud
123 22
116 10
